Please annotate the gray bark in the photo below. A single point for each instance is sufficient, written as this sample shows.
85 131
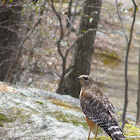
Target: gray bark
84 48
9 24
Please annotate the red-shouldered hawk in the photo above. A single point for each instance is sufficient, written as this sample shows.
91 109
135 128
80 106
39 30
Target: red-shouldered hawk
98 109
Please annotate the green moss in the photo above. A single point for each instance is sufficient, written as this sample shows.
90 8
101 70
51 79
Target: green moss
22 94
4 118
68 118
32 110
64 105
131 130
119 113
108 138
132 138
110 59
19 114
39 102
101 138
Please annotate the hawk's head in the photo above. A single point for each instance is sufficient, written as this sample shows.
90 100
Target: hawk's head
85 80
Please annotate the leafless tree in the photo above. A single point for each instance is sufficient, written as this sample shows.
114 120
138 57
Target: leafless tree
10 15
84 47
20 48
91 12
12 40
63 56
128 41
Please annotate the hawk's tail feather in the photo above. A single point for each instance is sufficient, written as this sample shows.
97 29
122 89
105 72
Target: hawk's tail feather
113 130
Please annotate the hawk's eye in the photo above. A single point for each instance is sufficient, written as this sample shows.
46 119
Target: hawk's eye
85 78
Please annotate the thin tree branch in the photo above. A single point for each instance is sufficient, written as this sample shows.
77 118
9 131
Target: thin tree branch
69 14
61 29
138 94
75 8
121 21
50 69
134 17
67 51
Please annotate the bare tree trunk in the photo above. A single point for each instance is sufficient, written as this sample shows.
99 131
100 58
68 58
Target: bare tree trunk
9 41
126 68
84 48
138 98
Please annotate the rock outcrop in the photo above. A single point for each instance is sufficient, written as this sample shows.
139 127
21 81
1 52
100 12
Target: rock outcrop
29 113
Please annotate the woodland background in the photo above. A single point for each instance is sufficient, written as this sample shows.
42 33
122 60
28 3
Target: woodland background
38 41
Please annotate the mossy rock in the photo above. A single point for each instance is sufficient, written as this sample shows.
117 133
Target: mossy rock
19 114
64 105
108 138
39 102
68 118
4 118
101 138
